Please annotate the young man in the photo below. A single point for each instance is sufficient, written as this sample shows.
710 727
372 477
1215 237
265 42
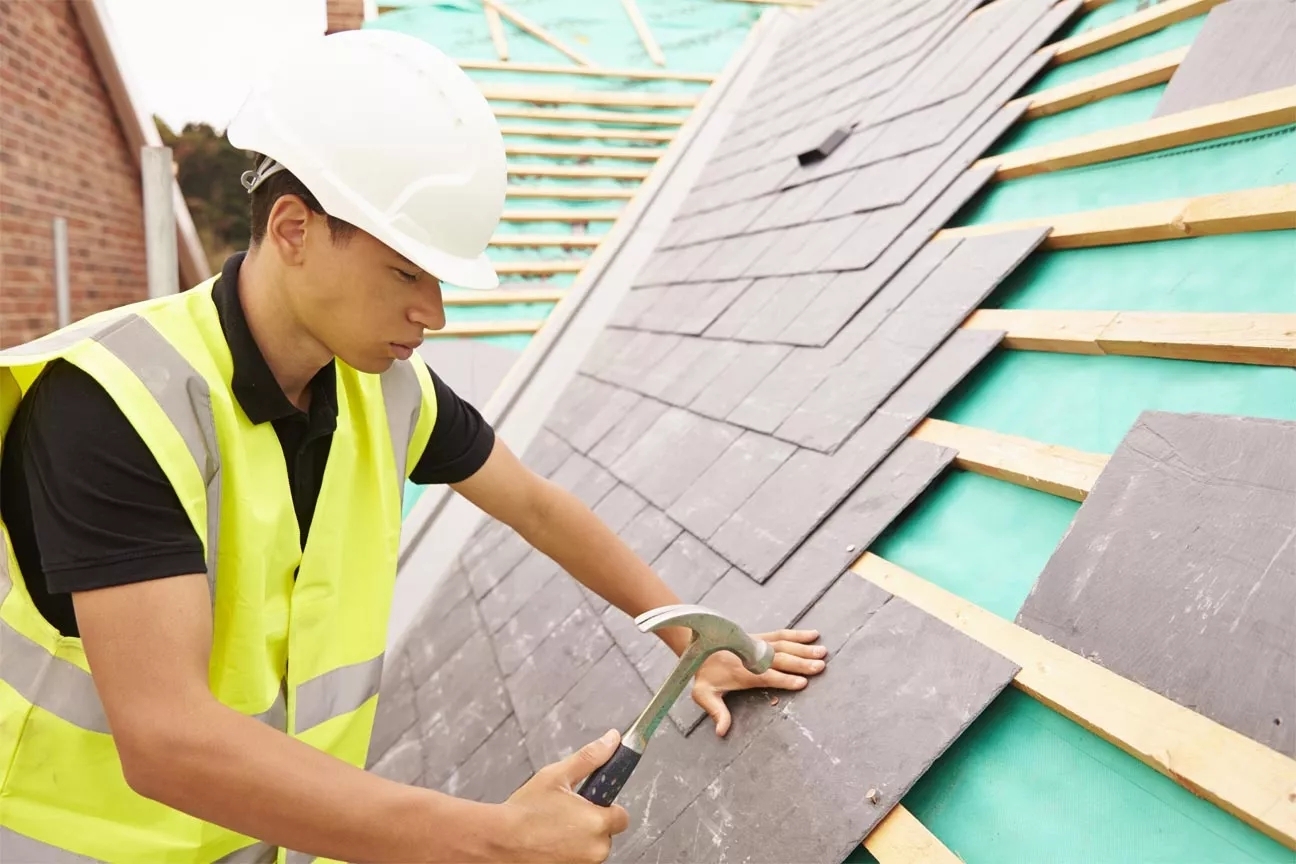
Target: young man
201 503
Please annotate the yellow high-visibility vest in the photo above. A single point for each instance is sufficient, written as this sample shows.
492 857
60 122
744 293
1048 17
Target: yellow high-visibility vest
308 660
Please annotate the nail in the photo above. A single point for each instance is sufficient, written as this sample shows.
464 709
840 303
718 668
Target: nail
817 665
609 736
820 651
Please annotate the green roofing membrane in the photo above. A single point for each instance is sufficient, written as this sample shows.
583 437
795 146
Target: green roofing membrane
1265 158
1025 784
1166 39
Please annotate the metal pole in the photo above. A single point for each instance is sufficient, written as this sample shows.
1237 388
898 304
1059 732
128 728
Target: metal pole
62 285
159 221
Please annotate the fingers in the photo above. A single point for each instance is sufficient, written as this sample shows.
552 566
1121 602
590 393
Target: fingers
589 758
714 705
782 681
798 649
797 665
618 819
803 636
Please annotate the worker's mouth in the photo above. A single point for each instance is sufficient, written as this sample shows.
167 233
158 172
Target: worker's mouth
402 351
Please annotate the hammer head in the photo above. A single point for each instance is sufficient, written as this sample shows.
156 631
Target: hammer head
712 632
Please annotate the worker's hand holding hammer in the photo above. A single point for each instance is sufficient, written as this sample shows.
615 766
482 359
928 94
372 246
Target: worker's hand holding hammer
551 823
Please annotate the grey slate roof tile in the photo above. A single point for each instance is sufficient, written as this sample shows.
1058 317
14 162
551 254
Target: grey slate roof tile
549 607
828 236
787 507
507 552
669 455
516 589
731 257
635 303
557 663
904 339
459 707
619 506
611 341
678 365
608 696
908 705
603 415
582 395
710 305
782 255
649 533
714 357
731 479
642 353
584 478
633 643
778 394
630 429
743 307
395 714
445 635
726 392
496 770
689 567
546 453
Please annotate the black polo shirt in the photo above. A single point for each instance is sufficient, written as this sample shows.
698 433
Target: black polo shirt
87 505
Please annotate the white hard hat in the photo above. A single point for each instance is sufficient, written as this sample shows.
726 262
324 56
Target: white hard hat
394 138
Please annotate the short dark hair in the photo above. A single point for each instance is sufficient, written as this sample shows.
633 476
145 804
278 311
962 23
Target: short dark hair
283 183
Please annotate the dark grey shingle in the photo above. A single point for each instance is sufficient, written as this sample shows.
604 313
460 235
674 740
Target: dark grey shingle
720 490
671 453
752 363
544 677
538 617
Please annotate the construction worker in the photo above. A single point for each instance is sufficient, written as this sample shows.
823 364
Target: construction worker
201 503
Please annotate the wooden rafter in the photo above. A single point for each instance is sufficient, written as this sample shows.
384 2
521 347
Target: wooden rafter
598 71
539 215
543 96
625 118
537 31
652 135
1129 28
539 268
537 241
1267 339
468 329
574 151
573 193
1050 468
901 839
583 172
1269 208
645 32
1123 79
504 297
1233 772
1248 114
496 28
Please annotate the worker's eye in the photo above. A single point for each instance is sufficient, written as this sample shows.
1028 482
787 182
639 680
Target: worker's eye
404 276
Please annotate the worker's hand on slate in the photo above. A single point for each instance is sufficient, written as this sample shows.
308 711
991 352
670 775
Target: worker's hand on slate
551 823
796 659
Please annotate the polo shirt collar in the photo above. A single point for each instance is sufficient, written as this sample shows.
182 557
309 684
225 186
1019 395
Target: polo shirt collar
254 385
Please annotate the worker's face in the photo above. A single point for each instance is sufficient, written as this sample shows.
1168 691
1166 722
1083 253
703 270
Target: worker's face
365 303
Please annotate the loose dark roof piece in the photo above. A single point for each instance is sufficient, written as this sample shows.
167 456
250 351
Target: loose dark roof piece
1245 47
1194 599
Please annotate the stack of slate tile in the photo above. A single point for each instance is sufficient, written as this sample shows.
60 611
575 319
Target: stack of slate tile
742 424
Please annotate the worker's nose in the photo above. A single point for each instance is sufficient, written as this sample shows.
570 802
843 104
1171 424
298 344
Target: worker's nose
429 307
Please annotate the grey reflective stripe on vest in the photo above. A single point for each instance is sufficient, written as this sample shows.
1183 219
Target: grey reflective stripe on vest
60 687
403 398
257 853
184 397
276 716
337 692
21 849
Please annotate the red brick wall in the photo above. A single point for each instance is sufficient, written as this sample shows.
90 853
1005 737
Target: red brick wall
62 153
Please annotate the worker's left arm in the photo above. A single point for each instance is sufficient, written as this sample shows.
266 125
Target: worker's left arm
559 525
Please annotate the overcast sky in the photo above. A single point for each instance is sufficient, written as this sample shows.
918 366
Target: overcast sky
193 60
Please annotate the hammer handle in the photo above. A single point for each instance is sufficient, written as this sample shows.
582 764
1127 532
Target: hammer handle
603 786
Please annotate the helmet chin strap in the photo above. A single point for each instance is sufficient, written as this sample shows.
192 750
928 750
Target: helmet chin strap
252 179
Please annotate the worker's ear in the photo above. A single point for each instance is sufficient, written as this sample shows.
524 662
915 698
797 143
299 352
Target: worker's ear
287 227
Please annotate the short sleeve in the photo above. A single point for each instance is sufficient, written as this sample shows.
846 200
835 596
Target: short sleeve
102 511
460 443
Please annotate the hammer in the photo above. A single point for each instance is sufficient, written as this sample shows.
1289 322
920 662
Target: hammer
711 633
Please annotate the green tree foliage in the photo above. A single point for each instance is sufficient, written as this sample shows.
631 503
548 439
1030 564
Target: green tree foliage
209 167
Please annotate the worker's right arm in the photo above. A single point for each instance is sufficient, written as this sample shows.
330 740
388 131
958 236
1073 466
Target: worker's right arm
148 645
